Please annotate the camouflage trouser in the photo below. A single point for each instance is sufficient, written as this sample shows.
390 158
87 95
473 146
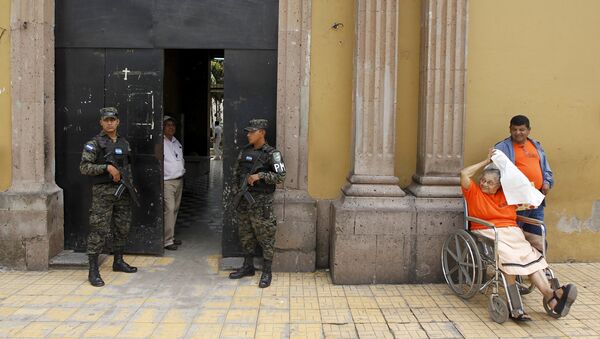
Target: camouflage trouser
257 224
108 214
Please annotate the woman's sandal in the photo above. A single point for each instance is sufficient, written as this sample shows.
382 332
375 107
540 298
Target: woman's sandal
522 318
563 304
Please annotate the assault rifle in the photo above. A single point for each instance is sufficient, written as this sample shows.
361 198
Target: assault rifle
126 181
243 193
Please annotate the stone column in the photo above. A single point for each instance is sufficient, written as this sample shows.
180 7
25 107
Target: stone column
373 221
442 98
296 210
31 211
436 184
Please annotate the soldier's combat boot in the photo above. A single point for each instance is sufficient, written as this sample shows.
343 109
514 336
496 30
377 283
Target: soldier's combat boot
94 275
247 269
265 277
119 265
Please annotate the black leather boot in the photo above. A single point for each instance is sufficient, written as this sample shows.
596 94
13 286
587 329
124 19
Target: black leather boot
247 269
119 265
94 275
265 278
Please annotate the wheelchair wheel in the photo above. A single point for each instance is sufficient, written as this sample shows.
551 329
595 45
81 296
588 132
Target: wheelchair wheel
461 264
498 309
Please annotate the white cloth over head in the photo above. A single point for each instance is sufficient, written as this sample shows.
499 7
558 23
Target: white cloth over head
517 188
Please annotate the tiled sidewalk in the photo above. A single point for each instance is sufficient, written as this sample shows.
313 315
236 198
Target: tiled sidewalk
162 304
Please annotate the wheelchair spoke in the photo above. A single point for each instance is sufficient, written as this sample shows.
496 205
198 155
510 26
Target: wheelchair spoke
452 255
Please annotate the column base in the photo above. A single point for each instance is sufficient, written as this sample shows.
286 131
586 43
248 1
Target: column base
372 240
32 222
391 240
373 186
436 219
296 240
435 187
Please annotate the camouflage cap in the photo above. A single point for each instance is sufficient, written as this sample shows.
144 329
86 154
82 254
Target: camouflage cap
109 112
256 124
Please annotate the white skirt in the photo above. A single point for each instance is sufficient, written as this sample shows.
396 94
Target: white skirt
517 255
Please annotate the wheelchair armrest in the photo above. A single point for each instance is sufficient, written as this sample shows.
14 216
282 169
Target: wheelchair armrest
530 221
482 222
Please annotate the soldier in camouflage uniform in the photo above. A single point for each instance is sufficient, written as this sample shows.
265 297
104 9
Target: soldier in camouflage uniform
262 167
107 210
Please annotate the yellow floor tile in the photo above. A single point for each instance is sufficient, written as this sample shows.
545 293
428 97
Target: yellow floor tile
242 316
57 314
273 316
86 314
374 331
340 331
5 311
8 328
245 302
334 316
211 316
398 315
474 329
305 316
367 315
333 302
137 330
238 331
170 330
272 331
441 330
148 315
118 314
362 302
37 329
411 330
306 331
27 313
70 330
104 329
204 331
180 315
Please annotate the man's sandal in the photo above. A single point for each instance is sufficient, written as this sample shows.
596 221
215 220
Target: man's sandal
563 304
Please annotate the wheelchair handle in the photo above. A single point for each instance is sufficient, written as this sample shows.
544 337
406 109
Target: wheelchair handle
530 221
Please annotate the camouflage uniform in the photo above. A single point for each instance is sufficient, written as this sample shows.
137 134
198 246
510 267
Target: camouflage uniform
107 213
257 223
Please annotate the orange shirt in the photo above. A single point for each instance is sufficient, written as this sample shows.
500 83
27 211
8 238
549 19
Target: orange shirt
527 160
492 208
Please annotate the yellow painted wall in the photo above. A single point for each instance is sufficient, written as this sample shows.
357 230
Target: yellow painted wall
330 118
5 130
542 58
407 117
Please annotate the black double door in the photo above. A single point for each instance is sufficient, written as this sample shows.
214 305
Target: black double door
112 53
131 81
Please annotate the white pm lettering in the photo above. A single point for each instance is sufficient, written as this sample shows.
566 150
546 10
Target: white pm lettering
279 167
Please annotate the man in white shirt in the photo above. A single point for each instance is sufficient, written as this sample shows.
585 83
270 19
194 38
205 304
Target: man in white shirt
173 181
217 141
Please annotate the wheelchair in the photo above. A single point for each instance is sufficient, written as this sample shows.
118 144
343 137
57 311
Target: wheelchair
468 257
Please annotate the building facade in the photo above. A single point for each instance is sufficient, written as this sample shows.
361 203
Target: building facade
380 103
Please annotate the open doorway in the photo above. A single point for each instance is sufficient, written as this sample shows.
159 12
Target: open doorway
193 96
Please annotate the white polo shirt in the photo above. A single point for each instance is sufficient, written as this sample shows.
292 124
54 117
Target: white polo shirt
173 159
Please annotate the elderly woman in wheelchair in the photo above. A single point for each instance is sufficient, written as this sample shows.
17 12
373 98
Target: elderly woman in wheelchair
494 239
